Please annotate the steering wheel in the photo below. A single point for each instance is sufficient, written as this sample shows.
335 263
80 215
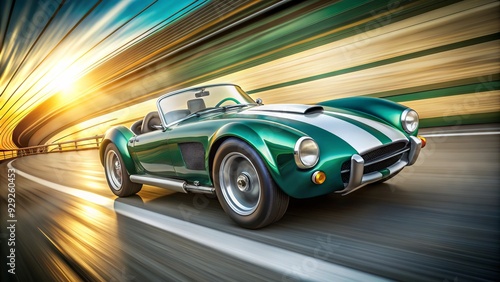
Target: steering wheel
227 99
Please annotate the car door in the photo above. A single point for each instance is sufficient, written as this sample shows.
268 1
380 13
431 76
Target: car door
153 152
188 143
175 152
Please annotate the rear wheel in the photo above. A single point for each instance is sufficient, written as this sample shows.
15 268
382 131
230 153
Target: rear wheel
117 175
244 187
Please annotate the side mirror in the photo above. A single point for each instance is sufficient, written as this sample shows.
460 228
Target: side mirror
259 101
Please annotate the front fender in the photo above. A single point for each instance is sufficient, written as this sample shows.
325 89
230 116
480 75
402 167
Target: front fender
119 135
385 110
270 141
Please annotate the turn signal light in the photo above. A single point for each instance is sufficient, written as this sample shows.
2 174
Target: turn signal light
424 141
318 177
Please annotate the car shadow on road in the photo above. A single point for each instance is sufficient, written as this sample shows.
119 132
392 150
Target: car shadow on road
372 202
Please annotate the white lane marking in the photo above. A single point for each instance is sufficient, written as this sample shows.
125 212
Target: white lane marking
360 139
88 196
291 265
388 131
461 134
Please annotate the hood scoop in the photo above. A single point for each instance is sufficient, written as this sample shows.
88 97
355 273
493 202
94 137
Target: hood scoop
289 108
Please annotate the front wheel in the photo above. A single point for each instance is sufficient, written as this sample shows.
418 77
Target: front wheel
244 186
117 175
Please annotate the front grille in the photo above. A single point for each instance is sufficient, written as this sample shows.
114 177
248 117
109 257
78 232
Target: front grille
371 159
383 151
382 165
346 176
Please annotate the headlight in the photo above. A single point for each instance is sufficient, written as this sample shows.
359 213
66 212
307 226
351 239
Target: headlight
306 152
409 120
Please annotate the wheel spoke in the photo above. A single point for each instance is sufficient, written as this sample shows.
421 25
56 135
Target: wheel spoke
114 170
240 184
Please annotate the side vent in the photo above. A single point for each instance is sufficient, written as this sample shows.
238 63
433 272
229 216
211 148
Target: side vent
193 154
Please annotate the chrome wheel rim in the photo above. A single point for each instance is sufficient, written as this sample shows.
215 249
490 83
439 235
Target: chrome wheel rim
239 183
114 170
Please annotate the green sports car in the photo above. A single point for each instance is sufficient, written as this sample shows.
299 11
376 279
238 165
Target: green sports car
216 139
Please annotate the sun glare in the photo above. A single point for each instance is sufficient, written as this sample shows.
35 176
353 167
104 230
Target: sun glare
65 81
63 77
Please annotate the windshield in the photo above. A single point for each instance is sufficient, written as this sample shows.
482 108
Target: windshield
178 105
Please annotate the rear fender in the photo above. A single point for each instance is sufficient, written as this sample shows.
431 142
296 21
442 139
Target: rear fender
119 135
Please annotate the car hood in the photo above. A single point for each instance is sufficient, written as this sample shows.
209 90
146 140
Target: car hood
361 132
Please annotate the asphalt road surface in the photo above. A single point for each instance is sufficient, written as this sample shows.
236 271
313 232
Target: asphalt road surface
436 221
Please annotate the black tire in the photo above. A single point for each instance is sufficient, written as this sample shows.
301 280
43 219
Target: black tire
244 186
117 175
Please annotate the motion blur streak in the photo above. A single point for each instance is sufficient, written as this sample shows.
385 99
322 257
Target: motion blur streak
436 221
441 61
49 45
72 69
461 134
243 249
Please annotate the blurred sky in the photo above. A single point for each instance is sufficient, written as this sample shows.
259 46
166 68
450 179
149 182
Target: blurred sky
79 33
46 45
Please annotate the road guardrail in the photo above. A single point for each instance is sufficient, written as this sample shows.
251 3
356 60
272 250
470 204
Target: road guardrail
72 145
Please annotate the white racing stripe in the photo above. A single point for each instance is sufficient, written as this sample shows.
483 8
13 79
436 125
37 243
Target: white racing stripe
360 139
385 129
293 266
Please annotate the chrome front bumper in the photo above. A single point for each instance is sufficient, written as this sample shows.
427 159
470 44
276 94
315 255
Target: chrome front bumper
358 179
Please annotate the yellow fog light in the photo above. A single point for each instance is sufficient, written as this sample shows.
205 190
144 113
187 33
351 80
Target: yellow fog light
318 177
424 141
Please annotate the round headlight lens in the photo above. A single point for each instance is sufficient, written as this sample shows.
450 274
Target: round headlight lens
409 120
306 152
